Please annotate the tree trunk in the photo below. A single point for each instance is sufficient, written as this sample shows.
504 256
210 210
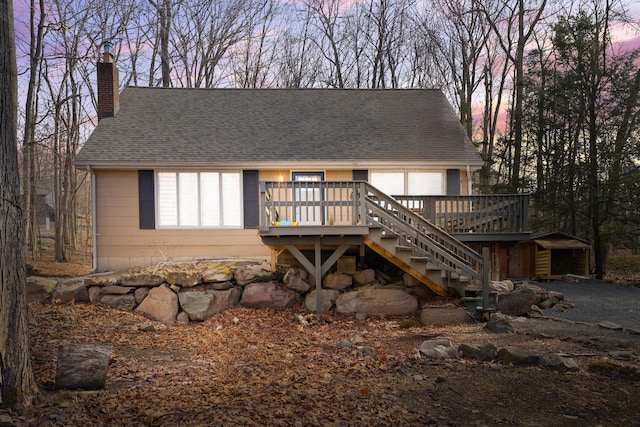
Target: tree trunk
16 375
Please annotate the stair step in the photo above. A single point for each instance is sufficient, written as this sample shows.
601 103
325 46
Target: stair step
388 236
420 259
404 248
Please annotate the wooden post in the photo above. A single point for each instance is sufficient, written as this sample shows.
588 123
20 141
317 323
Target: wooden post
318 276
486 263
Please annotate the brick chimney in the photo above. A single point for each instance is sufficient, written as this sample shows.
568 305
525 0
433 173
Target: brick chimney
108 85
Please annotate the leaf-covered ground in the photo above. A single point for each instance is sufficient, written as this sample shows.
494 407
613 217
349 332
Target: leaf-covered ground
262 367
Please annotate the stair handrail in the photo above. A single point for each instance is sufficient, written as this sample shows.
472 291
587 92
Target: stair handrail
444 248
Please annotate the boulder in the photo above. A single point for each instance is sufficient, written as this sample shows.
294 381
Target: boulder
337 281
500 324
216 275
141 294
95 293
82 366
142 280
378 301
184 279
541 294
364 277
201 306
161 304
40 288
252 274
518 302
501 287
558 362
268 295
517 356
116 290
70 291
438 349
485 352
110 279
125 302
328 299
296 280
440 316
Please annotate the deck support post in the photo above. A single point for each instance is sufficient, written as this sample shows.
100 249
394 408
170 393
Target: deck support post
318 275
486 263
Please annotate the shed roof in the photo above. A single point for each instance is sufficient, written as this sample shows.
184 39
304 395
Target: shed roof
191 127
560 240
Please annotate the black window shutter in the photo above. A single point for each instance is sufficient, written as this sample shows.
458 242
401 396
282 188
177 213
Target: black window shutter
251 194
360 175
453 182
146 199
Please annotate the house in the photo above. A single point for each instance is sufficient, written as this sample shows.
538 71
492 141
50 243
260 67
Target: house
187 174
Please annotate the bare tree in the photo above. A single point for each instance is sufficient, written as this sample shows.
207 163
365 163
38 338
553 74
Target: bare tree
16 374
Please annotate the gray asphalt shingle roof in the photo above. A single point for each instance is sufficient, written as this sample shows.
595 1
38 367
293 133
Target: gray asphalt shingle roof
187 126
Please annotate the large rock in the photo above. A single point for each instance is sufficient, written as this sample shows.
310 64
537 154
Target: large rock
142 280
337 281
252 274
184 279
364 277
200 306
502 286
216 275
518 302
378 301
70 291
327 299
485 352
517 356
161 304
124 302
40 288
438 349
108 280
296 280
500 324
268 295
141 294
557 362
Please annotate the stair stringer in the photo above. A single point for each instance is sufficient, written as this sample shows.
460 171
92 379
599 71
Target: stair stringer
410 269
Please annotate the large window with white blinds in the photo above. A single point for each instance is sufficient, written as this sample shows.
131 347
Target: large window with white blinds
199 199
408 183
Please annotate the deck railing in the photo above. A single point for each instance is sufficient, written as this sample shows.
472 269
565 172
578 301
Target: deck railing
473 214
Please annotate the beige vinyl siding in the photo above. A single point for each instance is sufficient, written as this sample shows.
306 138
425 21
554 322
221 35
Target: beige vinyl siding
122 244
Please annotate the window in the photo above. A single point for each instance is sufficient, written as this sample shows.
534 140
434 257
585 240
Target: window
199 199
408 183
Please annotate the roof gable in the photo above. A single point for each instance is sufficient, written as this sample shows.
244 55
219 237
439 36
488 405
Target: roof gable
222 126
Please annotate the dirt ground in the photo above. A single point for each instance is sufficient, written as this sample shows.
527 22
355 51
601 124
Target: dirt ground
262 367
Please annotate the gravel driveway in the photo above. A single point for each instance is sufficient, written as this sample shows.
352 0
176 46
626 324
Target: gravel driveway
596 301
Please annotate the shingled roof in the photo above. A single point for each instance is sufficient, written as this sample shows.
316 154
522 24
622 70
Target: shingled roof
191 127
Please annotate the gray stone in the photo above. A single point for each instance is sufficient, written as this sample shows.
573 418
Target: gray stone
268 295
201 306
500 324
221 286
252 274
502 286
328 299
184 279
142 280
438 349
364 277
40 288
562 306
622 355
517 356
161 304
296 280
116 290
337 281
125 302
518 302
108 280
377 301
557 295
610 325
541 294
549 302
436 316
558 362
141 294
217 275
535 311
485 352
70 291
95 293
182 317
411 282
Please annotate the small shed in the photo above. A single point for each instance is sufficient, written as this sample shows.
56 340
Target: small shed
558 254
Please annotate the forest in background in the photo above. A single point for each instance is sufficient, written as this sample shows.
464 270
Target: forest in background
548 91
